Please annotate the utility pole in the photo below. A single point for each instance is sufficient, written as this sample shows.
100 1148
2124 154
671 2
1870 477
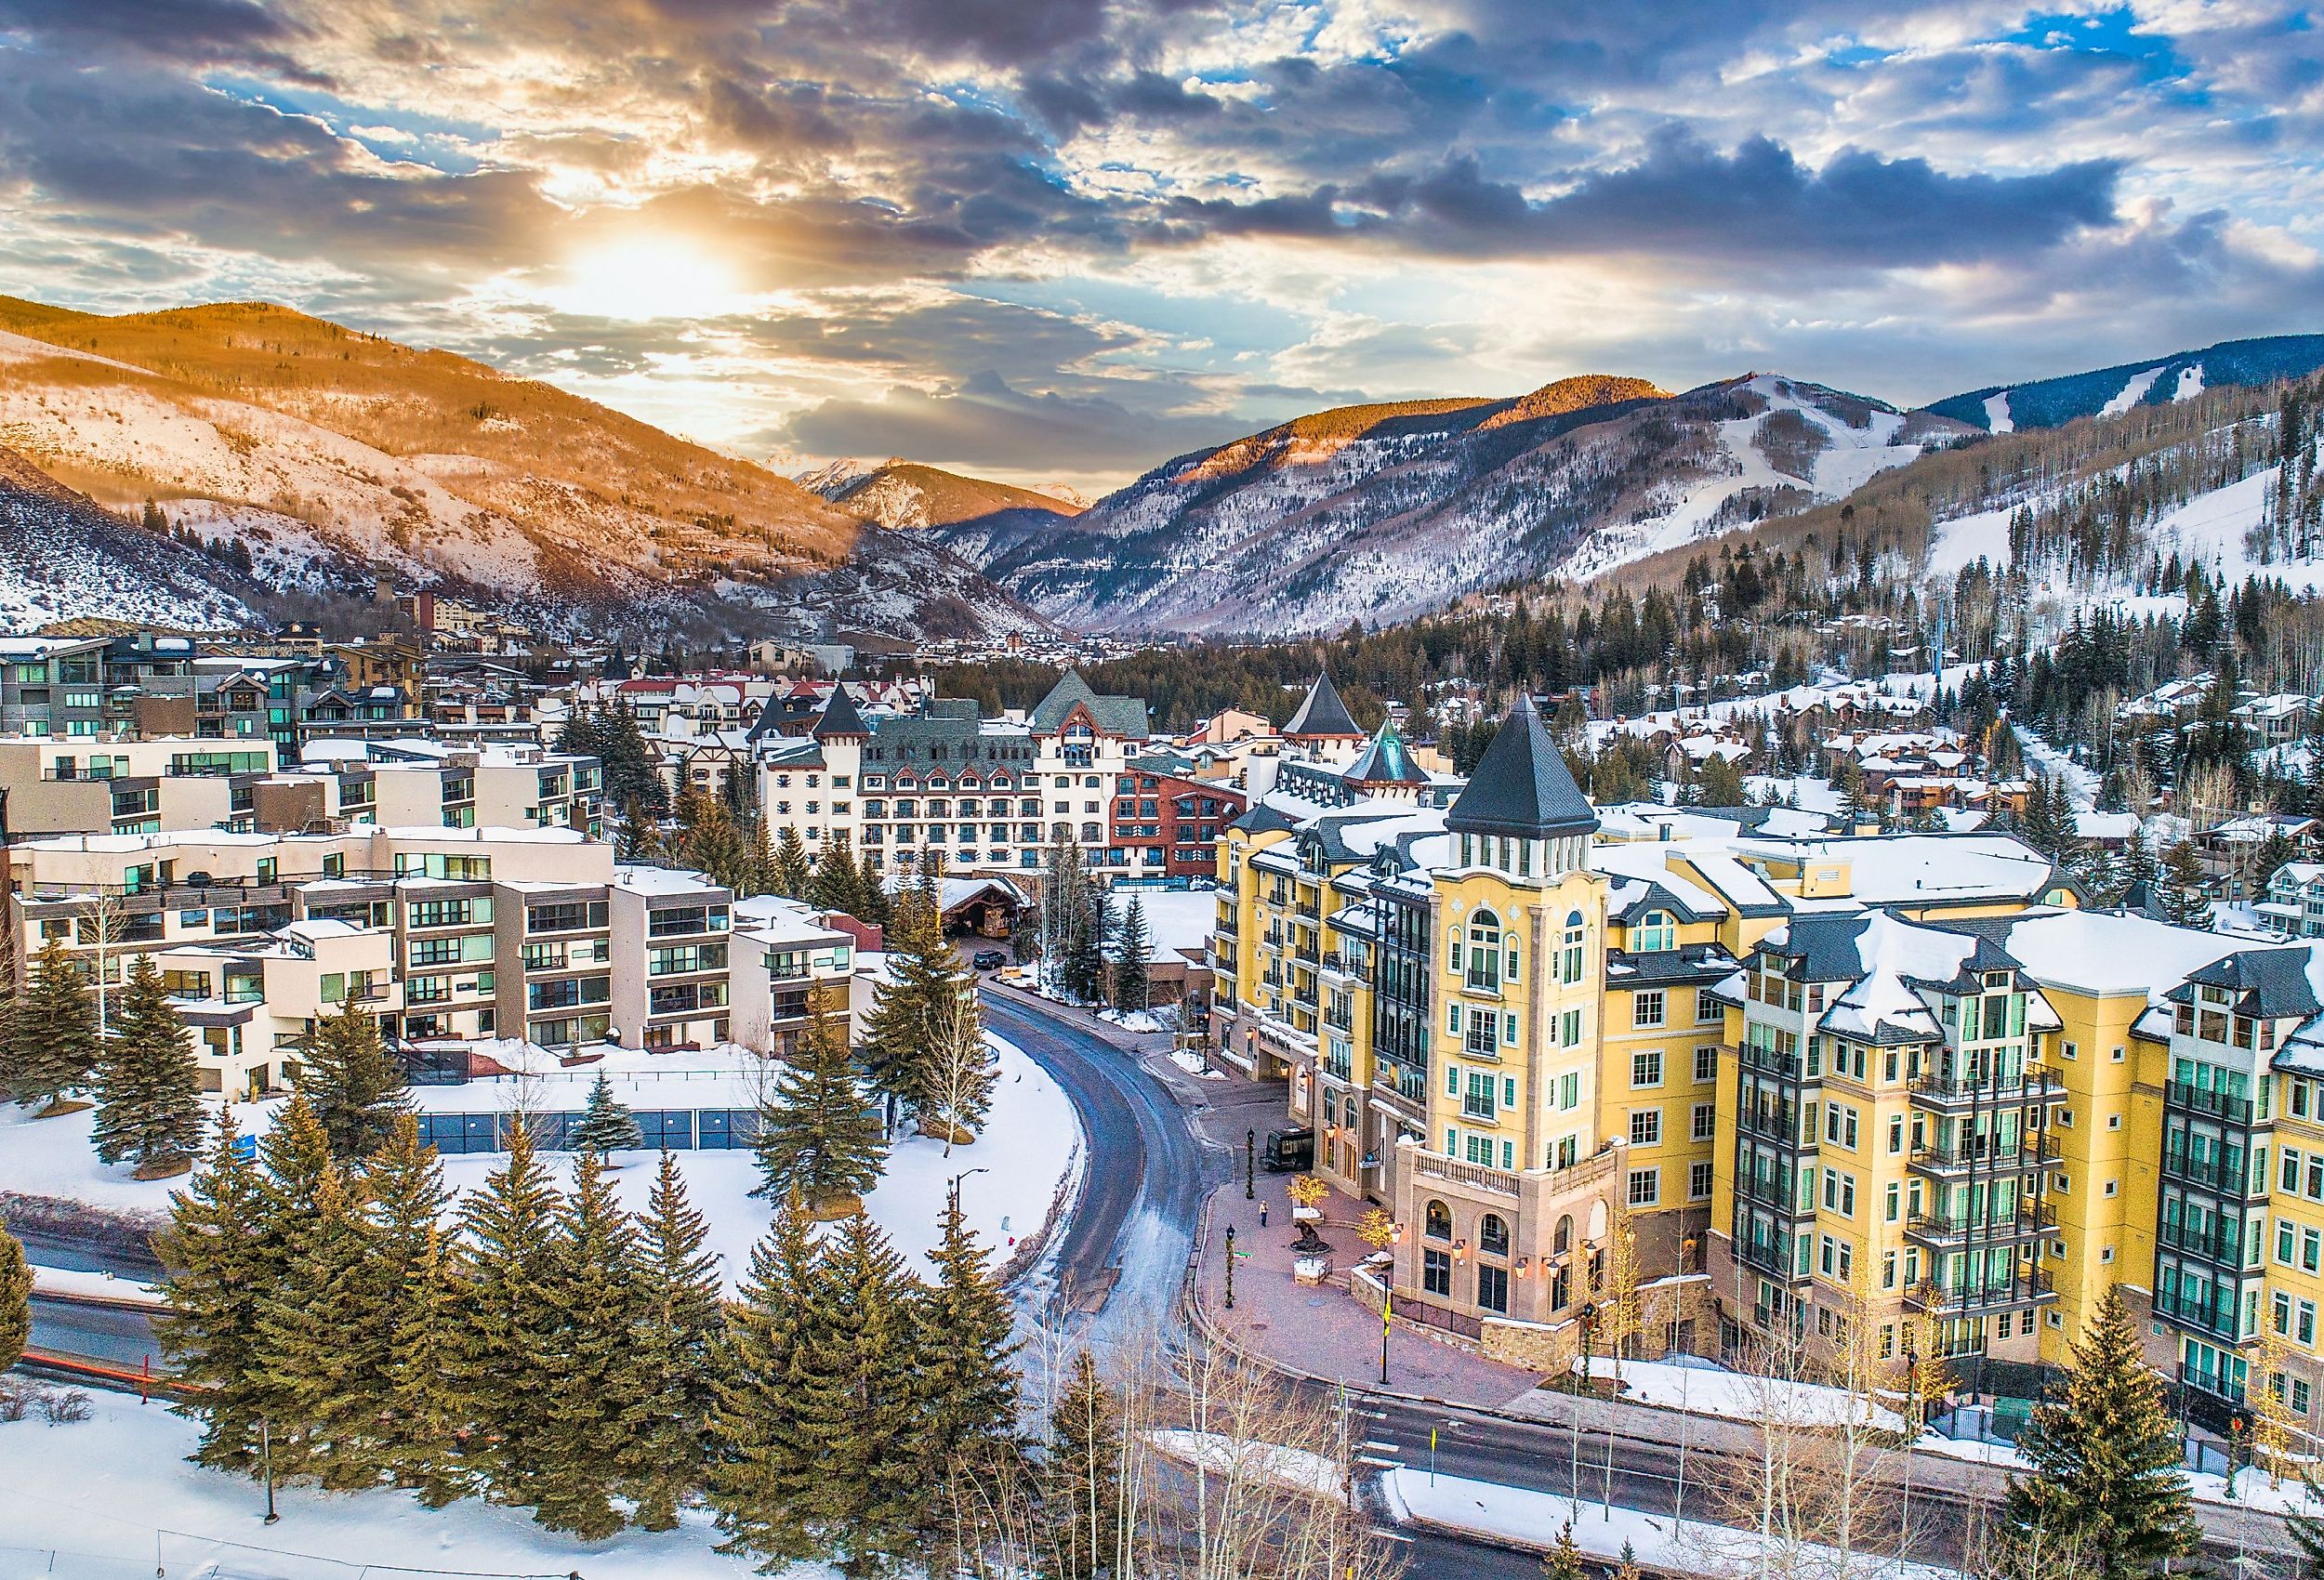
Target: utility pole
266 1458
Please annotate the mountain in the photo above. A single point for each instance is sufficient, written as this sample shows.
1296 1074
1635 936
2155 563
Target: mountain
973 518
65 557
337 457
1377 513
2049 402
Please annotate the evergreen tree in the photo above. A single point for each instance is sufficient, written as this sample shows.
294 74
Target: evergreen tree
2275 851
921 996
1719 782
149 1107
2108 1482
593 1306
49 1048
215 1249
1080 1476
354 1083
1133 958
677 1340
405 1348
511 1362
762 1473
968 1419
1563 1561
817 1139
2138 859
16 1299
633 776
855 1410
836 885
789 877
872 906
607 1125
709 842
318 1350
2179 886
761 866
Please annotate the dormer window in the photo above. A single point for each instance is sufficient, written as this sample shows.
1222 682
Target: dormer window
1656 933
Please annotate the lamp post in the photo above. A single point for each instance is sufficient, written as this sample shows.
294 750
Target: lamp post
1387 1299
1229 1267
1912 1425
1250 1162
266 1458
954 1190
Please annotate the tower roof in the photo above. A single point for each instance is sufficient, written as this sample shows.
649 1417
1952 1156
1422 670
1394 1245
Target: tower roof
1323 714
1384 760
839 717
1125 716
1522 788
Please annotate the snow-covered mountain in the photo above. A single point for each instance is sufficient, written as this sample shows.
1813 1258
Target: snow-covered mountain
975 518
336 457
2047 402
1375 513
65 557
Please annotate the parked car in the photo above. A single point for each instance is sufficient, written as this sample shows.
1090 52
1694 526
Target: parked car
988 959
1288 1152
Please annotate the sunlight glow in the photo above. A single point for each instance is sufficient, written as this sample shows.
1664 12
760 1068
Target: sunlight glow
665 277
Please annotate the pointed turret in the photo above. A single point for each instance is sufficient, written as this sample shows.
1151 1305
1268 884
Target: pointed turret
1522 788
1323 717
1384 763
840 720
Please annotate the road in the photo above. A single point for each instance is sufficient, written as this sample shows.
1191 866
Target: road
119 1338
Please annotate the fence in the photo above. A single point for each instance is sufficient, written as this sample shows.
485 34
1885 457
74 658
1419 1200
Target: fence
675 1129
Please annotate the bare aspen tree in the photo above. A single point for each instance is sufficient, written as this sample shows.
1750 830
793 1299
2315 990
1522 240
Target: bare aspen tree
99 926
962 1073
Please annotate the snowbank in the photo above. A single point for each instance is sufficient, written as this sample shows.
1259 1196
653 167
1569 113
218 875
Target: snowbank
63 1283
1293 1467
1707 1389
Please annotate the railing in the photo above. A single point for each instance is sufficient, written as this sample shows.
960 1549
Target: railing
1479 1108
2205 1315
2017 1290
1768 1256
1499 1181
2030 1151
2223 1244
2219 1175
2196 1100
1787 1066
2030 1084
1767 1191
2026 1219
1781 1125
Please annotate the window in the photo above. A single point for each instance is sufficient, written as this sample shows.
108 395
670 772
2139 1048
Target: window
1569 1028
1707 1062
1645 1126
1492 1235
1438 1221
1703 1123
1436 1273
1647 1008
1646 1187
1658 931
1493 1288
1570 1090
1646 1069
1698 1181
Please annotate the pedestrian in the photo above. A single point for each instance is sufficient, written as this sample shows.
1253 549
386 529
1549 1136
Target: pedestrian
1262 1214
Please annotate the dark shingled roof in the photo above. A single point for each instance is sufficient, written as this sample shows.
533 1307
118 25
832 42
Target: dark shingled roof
840 717
1125 716
1323 714
2268 983
1384 760
1522 787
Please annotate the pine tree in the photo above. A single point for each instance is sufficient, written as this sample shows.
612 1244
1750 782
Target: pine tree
149 1108
354 1083
855 1409
1133 957
215 1249
790 875
677 1352
872 907
1080 1476
836 885
407 1346
16 1301
1564 1561
968 1417
2138 859
761 1472
2180 886
50 1046
760 871
607 1125
709 842
589 1430
817 1138
511 1362
2106 1482
318 1350
925 987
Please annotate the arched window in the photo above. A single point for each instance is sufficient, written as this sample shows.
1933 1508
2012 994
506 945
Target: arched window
1492 1235
1485 952
1439 1221
1562 1240
1569 957
1658 931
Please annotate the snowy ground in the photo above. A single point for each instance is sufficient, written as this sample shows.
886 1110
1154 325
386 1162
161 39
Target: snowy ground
67 1284
1708 1389
1031 1142
1533 1519
2081 785
1292 1468
113 1498
1179 920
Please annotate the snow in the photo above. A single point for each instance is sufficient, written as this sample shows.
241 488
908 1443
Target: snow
1997 417
2190 383
113 1495
64 1284
1031 1144
1138 1021
1964 540
1178 920
2132 393
1192 1063
2081 784
1527 1517
1293 1467
1707 1390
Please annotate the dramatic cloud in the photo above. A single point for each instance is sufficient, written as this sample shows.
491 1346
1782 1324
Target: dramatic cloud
1070 237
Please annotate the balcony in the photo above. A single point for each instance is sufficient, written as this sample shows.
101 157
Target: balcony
1501 1182
1777 1122
2029 1288
1772 1257
2196 1100
2204 1316
1787 1066
1984 1156
2229 1176
1767 1191
1943 1230
2221 1244
1949 1093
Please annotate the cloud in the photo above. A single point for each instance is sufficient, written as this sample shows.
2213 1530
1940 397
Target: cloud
984 422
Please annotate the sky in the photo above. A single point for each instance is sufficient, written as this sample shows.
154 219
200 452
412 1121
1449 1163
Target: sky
1061 240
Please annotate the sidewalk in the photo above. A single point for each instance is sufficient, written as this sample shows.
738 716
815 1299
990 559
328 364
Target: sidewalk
1320 1330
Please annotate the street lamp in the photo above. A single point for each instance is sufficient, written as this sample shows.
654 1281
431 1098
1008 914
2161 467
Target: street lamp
1229 1267
1250 1155
266 1458
955 1188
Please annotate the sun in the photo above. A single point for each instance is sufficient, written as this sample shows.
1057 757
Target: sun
647 278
